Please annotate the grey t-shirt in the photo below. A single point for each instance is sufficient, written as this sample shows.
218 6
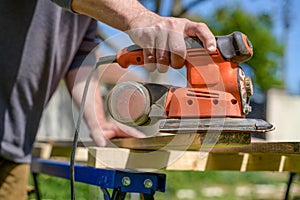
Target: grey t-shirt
39 43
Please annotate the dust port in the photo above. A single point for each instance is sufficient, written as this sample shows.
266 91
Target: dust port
138 59
215 101
190 102
233 101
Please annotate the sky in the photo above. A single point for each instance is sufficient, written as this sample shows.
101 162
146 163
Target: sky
276 9
273 7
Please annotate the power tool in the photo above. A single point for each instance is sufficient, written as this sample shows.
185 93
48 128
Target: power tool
216 97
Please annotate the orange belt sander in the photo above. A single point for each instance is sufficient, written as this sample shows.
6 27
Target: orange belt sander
216 98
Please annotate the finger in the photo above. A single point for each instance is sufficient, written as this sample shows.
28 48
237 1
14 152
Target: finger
149 50
163 64
99 139
203 33
162 52
144 38
177 49
149 59
130 132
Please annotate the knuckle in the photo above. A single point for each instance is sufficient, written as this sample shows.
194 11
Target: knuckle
201 26
178 50
163 60
158 26
150 59
172 23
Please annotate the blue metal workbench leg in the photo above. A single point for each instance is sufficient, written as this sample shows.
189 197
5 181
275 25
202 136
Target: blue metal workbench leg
106 194
147 196
118 195
121 181
36 186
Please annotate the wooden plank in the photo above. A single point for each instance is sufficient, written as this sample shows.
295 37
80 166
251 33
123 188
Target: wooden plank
188 142
119 158
228 161
256 159
42 150
185 141
66 143
167 160
189 160
258 156
292 163
58 150
264 147
100 157
263 162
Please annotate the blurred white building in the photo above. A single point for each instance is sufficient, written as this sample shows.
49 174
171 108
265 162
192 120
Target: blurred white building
283 111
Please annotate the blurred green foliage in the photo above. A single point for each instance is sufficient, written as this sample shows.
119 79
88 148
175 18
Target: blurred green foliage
268 51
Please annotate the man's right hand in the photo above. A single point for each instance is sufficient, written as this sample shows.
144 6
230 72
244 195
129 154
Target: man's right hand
162 39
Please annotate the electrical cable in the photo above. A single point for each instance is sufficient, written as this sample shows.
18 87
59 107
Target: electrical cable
289 184
101 61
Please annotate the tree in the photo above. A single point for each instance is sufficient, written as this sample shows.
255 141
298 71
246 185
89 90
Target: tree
267 50
175 10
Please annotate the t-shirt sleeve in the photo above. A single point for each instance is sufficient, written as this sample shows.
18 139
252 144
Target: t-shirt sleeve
66 4
85 54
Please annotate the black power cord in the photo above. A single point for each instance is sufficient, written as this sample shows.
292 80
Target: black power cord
289 184
101 61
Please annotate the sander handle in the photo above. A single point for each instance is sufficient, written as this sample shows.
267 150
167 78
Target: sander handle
235 47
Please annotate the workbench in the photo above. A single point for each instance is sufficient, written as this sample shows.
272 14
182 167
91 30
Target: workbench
147 155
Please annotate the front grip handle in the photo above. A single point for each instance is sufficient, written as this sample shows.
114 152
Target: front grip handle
235 47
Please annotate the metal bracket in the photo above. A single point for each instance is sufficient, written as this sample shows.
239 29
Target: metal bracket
122 181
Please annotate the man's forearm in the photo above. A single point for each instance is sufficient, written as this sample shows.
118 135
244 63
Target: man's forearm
162 38
94 112
116 13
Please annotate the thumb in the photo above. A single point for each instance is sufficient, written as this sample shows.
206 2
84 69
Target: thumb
202 31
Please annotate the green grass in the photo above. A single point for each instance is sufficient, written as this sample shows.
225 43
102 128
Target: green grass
58 188
228 182
195 185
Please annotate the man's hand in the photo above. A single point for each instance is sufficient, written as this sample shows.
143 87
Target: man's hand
100 129
162 39
110 130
